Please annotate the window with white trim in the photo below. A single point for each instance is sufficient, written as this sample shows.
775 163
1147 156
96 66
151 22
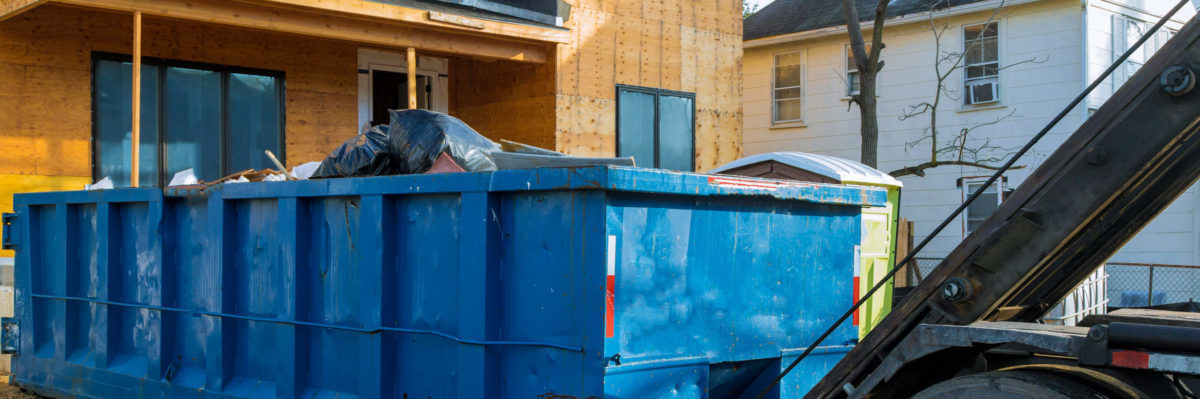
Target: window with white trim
787 88
852 79
1126 31
984 206
981 64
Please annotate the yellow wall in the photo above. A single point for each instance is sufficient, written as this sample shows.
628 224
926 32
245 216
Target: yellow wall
11 184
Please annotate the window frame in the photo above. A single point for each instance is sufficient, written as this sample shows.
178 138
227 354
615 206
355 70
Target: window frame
657 94
964 184
847 53
1141 26
803 89
999 99
161 65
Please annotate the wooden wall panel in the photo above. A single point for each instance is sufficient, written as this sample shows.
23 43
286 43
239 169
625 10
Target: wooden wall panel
45 72
690 46
505 99
10 8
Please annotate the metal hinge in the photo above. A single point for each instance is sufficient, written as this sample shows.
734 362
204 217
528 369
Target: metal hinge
10 334
8 221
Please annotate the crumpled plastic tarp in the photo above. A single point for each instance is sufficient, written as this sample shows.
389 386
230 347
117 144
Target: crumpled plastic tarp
364 155
418 137
409 145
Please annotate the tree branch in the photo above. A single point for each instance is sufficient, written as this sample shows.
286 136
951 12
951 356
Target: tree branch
919 170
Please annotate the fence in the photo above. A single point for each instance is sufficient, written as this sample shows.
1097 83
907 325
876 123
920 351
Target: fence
1149 284
1115 284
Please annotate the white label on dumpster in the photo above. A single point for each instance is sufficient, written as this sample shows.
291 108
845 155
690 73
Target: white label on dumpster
610 288
612 255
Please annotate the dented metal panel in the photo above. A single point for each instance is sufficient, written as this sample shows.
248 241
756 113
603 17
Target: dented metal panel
459 285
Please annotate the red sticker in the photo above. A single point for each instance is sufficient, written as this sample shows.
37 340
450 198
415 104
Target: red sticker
608 306
1131 359
856 299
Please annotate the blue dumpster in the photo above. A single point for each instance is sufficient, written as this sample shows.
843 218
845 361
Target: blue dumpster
595 282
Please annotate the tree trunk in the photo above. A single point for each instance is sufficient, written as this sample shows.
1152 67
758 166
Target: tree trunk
868 68
870 121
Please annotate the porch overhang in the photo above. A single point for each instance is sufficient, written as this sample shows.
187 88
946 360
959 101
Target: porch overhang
360 21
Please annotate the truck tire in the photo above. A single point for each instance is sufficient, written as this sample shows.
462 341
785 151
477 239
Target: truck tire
1011 385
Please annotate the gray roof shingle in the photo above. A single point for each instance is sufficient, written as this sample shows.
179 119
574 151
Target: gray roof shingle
789 16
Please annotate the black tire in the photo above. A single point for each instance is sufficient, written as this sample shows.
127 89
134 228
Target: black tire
1010 385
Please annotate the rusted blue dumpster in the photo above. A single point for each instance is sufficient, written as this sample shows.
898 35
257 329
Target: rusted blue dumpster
549 283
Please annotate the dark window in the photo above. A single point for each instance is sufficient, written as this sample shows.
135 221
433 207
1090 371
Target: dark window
656 127
984 206
213 119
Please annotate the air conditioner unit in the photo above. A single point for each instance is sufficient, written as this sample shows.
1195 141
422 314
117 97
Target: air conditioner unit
982 93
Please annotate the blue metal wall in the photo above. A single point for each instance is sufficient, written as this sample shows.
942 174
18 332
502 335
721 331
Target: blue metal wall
462 285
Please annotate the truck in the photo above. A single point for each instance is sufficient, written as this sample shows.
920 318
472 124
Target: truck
971 329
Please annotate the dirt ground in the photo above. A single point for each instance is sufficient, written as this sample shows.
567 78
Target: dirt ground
11 392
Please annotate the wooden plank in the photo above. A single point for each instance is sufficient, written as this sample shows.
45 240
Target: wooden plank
908 274
137 100
10 8
330 27
411 61
376 11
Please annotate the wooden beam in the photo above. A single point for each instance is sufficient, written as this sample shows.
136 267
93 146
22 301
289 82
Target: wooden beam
330 27
134 172
10 8
412 77
396 13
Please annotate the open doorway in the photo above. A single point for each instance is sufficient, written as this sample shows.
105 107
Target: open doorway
383 84
389 90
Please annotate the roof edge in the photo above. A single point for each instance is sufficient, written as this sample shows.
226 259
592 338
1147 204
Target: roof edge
898 20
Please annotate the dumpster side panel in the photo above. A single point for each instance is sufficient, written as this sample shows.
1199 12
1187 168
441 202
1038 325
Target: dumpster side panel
193 284
552 290
462 285
732 278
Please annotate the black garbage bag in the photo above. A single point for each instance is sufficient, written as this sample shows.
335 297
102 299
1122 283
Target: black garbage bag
418 137
363 155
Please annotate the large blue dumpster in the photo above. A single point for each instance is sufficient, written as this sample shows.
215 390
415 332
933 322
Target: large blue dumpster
551 283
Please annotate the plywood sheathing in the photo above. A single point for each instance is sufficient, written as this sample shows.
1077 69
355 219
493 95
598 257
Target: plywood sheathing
690 46
45 63
10 8
505 99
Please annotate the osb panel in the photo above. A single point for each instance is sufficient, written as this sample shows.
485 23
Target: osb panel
528 120
690 46
586 126
505 100
45 62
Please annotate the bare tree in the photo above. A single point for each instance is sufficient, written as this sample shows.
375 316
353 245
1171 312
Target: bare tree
959 149
868 69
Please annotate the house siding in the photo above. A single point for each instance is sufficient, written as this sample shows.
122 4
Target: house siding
1074 41
1034 92
1172 237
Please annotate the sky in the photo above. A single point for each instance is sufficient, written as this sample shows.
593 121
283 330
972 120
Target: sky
759 3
